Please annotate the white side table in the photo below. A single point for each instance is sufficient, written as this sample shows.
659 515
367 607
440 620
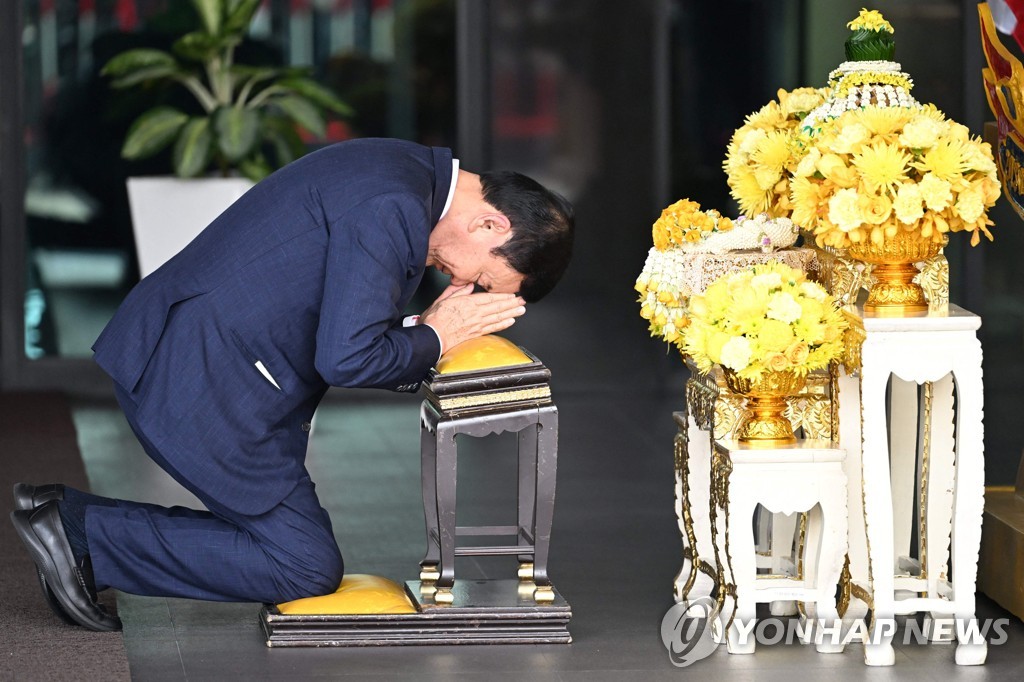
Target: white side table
805 477
939 351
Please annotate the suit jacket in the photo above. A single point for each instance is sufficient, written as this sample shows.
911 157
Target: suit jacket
308 274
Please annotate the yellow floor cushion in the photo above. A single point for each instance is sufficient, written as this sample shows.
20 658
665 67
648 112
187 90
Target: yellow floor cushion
484 352
357 594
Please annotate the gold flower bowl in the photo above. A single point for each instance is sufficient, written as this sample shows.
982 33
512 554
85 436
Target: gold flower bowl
894 293
763 423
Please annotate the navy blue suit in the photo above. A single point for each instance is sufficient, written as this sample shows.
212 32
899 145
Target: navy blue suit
307 274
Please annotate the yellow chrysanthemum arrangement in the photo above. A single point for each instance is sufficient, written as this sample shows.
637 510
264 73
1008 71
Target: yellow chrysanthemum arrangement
872 172
870 20
760 154
765 318
684 223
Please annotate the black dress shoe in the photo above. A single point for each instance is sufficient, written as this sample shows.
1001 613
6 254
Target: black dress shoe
31 496
43 534
28 497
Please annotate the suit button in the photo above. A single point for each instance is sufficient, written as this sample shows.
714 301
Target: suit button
306 426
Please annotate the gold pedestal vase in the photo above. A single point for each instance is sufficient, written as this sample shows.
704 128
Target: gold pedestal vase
763 422
894 293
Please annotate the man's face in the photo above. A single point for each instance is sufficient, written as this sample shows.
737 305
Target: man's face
468 259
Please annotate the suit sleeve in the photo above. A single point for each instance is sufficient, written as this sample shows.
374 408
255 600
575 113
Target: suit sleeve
360 338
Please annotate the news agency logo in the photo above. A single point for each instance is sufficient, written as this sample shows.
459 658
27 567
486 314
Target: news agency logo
687 631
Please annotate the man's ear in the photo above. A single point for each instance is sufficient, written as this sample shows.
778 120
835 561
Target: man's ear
495 222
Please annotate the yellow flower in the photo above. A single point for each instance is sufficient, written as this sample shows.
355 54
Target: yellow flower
977 156
806 166
876 208
881 121
921 133
810 201
765 282
936 192
799 101
850 138
776 361
725 224
871 20
908 203
797 352
660 235
768 116
736 353
844 210
814 291
882 166
944 159
775 335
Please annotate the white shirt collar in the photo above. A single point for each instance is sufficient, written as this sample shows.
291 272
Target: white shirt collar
451 190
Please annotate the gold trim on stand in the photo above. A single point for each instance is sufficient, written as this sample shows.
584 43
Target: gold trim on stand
922 500
934 281
845 588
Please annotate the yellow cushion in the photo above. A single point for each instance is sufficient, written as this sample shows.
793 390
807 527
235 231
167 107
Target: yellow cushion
358 593
484 352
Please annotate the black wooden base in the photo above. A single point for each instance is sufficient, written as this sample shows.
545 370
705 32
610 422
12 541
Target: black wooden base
484 612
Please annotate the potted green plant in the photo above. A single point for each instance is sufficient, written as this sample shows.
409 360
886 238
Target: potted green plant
244 126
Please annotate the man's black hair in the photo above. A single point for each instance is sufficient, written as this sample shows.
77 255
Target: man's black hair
542 230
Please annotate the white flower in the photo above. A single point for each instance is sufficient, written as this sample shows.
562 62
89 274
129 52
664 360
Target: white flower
766 281
813 290
784 308
736 353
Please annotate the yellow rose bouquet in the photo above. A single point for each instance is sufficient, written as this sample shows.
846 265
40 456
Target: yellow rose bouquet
766 318
759 159
873 172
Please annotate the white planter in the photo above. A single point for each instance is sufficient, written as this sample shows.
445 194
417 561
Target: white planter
168 212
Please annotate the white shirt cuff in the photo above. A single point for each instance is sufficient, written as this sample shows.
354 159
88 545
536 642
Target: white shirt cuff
413 320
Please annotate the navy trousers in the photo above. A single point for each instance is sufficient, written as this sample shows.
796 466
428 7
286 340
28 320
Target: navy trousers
286 553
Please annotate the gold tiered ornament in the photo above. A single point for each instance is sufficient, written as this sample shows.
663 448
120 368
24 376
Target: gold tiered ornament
764 421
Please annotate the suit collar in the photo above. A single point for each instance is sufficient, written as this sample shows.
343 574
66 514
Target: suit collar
442 181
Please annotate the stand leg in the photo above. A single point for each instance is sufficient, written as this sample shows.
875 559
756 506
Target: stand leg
446 477
547 463
878 650
527 495
428 485
969 500
744 571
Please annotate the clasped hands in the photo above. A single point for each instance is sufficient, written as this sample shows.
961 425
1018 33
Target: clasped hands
460 315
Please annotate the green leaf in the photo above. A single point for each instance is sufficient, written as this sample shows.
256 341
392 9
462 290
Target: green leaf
237 131
284 140
192 151
197 46
317 94
303 112
152 131
255 167
239 16
210 11
146 74
133 60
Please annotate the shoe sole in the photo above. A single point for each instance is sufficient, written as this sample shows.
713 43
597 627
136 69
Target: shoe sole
48 595
44 564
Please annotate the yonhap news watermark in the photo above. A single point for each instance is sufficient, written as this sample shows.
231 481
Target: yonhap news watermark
691 631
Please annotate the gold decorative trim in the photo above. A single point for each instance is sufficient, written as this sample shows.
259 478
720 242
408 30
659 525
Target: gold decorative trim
495 398
922 500
853 340
845 588
934 280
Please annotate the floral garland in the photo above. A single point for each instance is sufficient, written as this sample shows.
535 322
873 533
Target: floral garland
684 223
663 303
766 318
872 172
759 156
